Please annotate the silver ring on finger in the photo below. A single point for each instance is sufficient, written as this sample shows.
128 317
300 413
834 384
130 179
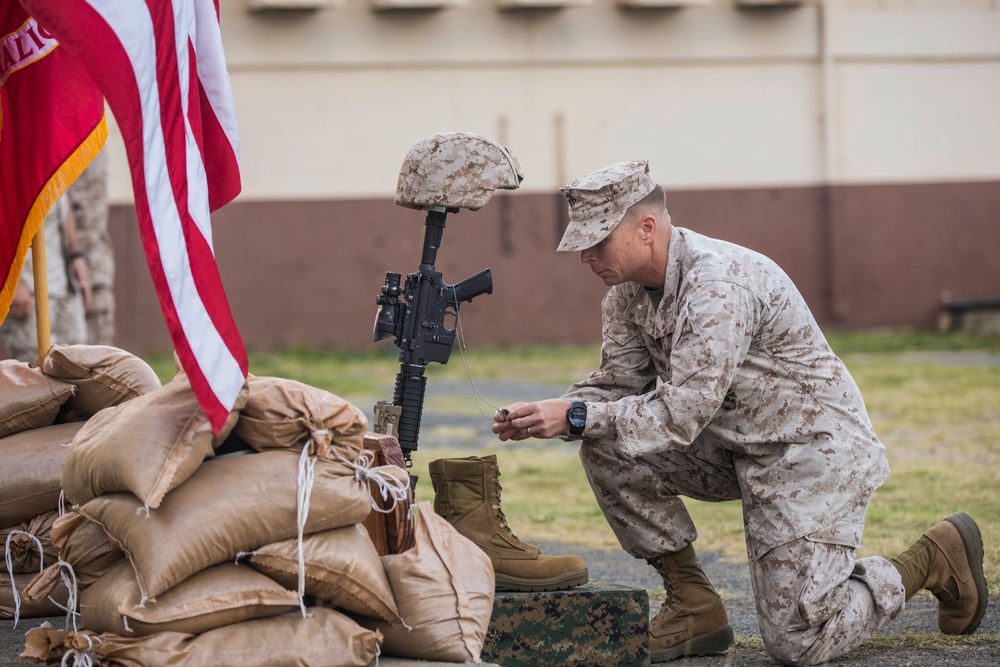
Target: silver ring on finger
529 431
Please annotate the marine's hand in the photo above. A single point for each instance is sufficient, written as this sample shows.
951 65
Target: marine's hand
81 270
542 419
504 427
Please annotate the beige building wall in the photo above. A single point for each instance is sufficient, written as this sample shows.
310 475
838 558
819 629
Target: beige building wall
804 102
714 95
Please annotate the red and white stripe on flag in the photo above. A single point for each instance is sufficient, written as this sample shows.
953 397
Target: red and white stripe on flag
161 67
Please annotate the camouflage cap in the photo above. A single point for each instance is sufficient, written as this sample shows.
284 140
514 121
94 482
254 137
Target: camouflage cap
598 201
455 170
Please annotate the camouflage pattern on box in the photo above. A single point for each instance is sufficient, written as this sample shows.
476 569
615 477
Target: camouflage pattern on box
597 624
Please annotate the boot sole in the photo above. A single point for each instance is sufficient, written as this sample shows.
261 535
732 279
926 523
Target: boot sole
972 539
707 644
507 583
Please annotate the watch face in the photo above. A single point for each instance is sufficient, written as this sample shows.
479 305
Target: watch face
578 415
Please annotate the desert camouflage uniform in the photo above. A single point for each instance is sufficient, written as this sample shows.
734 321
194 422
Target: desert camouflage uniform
752 404
89 197
67 323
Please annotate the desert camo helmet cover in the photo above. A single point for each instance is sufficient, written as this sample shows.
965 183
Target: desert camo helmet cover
455 170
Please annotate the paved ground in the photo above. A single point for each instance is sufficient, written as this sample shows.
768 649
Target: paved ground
463 427
733 581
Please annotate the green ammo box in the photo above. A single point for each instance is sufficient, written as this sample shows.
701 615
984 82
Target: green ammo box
597 624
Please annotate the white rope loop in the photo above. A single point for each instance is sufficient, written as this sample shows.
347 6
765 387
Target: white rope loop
10 567
389 485
77 658
307 475
68 576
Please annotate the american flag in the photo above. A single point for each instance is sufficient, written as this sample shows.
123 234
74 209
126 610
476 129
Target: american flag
161 67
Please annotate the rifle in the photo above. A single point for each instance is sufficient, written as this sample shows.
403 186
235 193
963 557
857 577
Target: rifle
441 174
415 316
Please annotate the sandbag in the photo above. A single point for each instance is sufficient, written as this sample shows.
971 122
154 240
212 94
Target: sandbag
281 413
444 589
104 376
82 544
219 595
28 399
230 505
326 638
31 464
147 446
23 550
341 566
28 609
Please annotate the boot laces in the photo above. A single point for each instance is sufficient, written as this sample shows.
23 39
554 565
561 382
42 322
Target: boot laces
671 596
499 511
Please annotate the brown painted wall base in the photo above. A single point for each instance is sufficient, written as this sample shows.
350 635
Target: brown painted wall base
308 272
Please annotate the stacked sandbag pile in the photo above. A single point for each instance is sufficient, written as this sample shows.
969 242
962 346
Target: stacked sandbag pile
41 410
185 555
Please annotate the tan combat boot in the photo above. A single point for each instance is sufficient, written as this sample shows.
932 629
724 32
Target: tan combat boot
692 620
948 561
467 495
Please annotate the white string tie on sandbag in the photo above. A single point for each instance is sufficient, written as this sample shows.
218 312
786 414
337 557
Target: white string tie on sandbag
240 555
307 475
389 485
61 505
80 658
10 568
314 437
68 576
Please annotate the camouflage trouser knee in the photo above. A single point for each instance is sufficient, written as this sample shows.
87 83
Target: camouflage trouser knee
816 602
639 497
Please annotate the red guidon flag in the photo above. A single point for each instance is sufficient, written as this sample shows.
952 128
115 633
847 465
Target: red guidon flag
162 70
51 126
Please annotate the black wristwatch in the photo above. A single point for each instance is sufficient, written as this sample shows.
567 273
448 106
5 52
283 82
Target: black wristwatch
577 417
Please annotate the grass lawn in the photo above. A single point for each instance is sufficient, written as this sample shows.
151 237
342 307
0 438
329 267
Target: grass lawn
934 400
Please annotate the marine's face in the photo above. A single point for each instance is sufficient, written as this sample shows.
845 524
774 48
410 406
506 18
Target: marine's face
613 260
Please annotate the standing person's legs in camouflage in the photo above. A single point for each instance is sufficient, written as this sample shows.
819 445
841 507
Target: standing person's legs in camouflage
20 337
68 322
89 197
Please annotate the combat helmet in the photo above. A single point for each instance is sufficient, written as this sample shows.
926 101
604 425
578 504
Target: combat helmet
455 170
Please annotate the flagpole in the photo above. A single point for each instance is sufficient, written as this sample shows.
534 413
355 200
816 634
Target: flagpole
41 293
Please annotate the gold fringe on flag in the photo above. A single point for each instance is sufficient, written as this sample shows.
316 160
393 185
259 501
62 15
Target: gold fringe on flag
55 188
